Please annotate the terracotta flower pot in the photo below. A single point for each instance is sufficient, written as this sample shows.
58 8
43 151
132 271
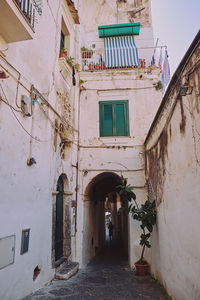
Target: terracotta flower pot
91 67
141 270
63 54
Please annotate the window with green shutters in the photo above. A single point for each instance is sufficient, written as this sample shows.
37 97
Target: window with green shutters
114 119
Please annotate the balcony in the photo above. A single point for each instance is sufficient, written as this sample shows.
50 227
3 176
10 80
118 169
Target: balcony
17 20
104 58
95 60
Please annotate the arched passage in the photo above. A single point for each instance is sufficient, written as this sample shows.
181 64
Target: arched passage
100 197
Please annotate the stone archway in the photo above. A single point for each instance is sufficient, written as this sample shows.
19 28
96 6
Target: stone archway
102 186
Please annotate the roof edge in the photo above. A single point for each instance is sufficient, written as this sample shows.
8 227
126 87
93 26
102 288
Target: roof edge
73 11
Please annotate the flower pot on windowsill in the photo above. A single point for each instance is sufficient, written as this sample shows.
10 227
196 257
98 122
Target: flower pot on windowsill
63 54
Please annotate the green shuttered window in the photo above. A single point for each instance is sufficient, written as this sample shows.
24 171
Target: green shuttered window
114 119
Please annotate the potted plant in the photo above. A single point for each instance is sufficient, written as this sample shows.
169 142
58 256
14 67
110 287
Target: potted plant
146 215
70 61
102 65
63 52
86 53
77 67
91 67
97 67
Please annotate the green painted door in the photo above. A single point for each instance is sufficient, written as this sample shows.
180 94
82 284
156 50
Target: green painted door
59 220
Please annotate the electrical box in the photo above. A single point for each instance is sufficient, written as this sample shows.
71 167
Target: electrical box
25 105
7 251
25 240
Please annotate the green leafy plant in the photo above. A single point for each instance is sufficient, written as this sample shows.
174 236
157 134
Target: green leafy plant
158 85
77 67
84 49
145 214
63 50
70 60
86 53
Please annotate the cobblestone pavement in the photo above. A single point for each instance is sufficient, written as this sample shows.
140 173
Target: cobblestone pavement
107 277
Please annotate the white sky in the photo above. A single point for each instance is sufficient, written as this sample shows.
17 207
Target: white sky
175 23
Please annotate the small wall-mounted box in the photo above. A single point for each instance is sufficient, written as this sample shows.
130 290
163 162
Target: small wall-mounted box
25 105
7 251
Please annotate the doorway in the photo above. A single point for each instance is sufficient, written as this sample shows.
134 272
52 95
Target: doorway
59 220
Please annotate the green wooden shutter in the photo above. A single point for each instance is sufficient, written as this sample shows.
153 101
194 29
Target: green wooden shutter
113 118
108 120
120 120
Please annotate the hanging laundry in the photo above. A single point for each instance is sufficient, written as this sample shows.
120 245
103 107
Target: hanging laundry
160 59
165 76
153 60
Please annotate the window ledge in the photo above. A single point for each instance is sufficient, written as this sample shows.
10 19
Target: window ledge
66 71
114 139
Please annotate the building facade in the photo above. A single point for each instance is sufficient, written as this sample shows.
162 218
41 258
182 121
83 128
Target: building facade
70 129
38 136
117 105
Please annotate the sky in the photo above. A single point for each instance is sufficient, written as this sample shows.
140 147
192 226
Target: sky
175 23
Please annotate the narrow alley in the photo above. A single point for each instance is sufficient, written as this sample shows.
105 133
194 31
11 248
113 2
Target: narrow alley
99 150
106 277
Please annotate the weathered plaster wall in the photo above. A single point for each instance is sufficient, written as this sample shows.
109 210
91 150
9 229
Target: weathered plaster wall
106 12
173 170
26 199
120 155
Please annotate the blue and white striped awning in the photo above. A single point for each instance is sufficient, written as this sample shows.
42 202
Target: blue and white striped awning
120 51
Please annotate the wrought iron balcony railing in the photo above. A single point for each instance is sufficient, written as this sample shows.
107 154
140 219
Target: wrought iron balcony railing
99 59
28 10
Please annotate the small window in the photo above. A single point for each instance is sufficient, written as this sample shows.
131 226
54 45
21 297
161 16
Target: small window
65 37
114 119
62 40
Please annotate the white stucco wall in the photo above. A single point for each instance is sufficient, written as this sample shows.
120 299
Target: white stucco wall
121 155
112 12
173 149
26 199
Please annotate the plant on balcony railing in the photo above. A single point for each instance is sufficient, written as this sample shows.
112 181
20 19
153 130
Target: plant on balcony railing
27 7
86 53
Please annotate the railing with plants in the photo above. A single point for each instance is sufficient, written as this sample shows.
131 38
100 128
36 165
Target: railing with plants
27 7
69 59
94 59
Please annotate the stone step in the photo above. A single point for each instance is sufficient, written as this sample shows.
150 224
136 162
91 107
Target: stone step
60 263
68 270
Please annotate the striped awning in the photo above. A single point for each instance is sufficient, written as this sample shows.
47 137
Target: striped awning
120 51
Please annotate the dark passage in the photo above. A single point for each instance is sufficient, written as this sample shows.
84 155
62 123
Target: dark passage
107 277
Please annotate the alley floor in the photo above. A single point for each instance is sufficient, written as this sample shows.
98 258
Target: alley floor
107 277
